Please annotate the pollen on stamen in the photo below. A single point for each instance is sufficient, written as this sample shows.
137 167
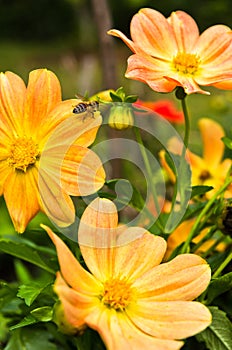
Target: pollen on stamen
23 152
117 294
186 63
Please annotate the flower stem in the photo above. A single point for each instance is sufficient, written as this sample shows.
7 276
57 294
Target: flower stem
149 172
181 95
222 266
187 122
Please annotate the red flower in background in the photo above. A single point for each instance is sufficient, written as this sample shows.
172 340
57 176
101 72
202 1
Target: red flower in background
165 108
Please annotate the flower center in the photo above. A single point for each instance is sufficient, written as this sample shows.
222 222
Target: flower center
23 153
186 63
205 175
117 294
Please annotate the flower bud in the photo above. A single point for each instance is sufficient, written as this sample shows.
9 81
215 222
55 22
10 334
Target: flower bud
63 325
121 117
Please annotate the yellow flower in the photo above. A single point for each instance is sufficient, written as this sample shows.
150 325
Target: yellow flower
128 297
37 133
210 169
180 234
171 52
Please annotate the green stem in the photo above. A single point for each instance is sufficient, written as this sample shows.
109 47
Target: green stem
222 266
187 122
149 172
203 213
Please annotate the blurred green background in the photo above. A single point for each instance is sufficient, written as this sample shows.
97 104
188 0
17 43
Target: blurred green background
63 36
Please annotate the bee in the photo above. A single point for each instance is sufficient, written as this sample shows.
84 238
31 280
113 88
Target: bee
87 107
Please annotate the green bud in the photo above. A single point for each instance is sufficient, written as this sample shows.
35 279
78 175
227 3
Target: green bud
121 117
63 325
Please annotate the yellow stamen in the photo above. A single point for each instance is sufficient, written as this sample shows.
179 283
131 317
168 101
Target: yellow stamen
23 153
186 63
117 294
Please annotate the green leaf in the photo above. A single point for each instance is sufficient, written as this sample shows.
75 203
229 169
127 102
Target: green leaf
131 98
22 273
4 329
26 321
219 286
25 252
218 336
30 338
7 293
135 199
43 314
115 97
200 190
227 141
29 292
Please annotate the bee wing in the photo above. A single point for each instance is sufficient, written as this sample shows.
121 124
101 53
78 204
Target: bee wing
81 97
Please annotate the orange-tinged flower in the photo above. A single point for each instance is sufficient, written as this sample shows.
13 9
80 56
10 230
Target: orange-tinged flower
210 169
131 299
171 52
41 139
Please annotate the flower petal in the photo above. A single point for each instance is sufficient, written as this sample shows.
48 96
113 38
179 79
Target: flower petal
76 276
82 172
77 305
25 205
108 250
118 332
224 85
72 130
212 43
98 228
152 33
213 147
12 96
120 35
185 29
43 93
170 320
188 83
150 71
55 203
186 277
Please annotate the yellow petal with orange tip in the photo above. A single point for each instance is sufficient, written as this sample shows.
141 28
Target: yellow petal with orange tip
22 197
108 250
12 95
76 305
82 171
77 277
119 332
213 146
170 319
55 202
186 277
43 93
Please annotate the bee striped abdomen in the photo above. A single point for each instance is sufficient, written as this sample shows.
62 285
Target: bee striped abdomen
80 108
